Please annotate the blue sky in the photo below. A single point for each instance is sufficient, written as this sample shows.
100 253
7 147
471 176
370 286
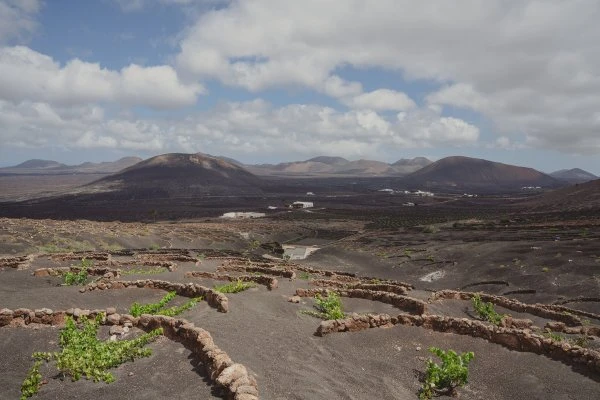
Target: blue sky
270 81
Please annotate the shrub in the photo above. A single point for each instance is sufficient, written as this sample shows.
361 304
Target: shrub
160 308
80 277
452 373
430 229
329 307
485 311
234 287
31 384
304 275
83 355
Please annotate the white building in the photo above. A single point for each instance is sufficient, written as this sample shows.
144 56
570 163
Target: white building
302 204
241 214
423 193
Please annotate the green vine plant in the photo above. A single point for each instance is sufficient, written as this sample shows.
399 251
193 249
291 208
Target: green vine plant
234 287
485 310
161 308
447 376
80 277
329 307
32 383
83 355
304 275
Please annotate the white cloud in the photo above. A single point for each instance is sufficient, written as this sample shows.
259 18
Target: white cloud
381 99
26 74
255 128
18 19
531 67
459 95
335 86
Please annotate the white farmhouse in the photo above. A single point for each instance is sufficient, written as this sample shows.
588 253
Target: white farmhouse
302 204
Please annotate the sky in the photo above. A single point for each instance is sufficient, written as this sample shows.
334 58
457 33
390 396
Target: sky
265 81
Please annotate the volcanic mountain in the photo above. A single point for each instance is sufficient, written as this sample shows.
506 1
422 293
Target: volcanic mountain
180 175
47 167
463 173
575 175
324 166
584 196
39 164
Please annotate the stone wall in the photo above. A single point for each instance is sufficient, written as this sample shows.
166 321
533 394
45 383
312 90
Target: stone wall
380 287
20 262
270 282
535 309
232 377
213 298
515 339
413 306
106 272
262 269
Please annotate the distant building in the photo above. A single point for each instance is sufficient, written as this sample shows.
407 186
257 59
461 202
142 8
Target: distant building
302 204
423 193
240 214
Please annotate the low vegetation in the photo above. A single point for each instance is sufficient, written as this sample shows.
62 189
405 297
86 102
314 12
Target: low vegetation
486 311
160 308
144 271
329 307
84 355
304 275
447 376
234 287
80 277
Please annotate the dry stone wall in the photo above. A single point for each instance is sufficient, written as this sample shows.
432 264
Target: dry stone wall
515 339
408 304
233 378
213 298
535 309
268 281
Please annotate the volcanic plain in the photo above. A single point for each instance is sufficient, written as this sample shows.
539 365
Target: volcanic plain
405 275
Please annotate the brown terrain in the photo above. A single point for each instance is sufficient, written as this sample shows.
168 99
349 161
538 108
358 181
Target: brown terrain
465 173
324 166
405 274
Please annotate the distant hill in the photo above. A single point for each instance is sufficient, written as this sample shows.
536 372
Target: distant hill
180 175
583 196
575 175
52 167
417 161
330 160
325 166
39 164
463 173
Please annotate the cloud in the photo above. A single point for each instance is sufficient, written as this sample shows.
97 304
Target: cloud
18 19
255 128
381 99
531 67
26 74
